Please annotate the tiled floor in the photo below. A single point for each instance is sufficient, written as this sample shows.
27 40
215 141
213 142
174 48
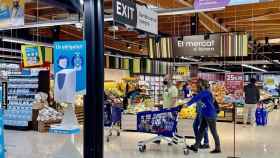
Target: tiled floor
258 142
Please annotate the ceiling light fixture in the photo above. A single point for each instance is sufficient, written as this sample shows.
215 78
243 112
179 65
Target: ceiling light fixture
253 67
162 12
190 59
213 69
10 50
22 41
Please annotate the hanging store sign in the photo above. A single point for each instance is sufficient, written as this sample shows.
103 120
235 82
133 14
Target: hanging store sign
11 13
147 20
234 83
72 55
125 12
197 45
129 13
32 55
209 4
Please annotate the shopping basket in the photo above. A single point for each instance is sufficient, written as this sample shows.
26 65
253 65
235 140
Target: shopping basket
163 123
112 119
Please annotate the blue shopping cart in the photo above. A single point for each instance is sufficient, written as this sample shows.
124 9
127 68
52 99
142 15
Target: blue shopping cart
112 120
163 123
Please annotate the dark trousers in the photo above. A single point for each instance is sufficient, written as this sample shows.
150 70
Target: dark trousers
211 123
196 125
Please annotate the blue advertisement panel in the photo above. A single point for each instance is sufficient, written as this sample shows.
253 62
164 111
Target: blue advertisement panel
72 55
2 143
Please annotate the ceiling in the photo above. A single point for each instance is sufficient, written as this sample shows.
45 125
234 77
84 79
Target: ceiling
260 20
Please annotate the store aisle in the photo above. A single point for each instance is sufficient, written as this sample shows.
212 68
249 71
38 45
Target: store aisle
261 142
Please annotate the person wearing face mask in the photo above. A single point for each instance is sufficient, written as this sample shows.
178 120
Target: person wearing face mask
170 93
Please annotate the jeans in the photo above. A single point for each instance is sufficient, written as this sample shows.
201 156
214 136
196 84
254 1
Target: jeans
211 123
196 124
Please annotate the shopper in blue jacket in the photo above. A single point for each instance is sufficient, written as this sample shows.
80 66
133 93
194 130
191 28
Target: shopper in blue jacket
208 116
196 125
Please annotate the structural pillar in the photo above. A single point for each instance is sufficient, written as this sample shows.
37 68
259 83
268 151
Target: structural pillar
93 102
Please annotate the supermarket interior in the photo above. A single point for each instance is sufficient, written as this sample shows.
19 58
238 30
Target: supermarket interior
139 78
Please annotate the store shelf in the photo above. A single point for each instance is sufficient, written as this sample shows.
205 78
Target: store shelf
21 94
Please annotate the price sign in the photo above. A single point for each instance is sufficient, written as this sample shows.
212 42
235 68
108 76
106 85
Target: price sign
234 84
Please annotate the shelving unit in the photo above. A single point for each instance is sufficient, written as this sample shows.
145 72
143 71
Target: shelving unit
155 86
21 94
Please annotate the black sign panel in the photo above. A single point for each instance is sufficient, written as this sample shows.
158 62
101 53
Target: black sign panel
125 12
4 95
197 45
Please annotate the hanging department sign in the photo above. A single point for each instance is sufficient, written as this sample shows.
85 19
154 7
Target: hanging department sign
129 13
209 4
197 45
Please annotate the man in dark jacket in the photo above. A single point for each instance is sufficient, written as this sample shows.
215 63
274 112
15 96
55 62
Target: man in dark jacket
252 97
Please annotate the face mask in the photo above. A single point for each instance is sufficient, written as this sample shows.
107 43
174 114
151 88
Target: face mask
165 82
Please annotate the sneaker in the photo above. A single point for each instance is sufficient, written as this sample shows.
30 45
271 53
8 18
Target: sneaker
204 146
216 151
192 148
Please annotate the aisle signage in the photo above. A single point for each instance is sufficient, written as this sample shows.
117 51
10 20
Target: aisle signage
209 4
72 55
11 13
129 13
197 45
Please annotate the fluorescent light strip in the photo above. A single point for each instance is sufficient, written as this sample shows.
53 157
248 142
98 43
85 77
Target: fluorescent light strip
185 11
212 69
253 67
21 41
10 50
190 59
50 23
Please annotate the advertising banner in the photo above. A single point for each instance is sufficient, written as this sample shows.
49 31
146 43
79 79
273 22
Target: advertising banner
208 4
234 83
271 83
11 13
197 45
129 13
31 55
72 55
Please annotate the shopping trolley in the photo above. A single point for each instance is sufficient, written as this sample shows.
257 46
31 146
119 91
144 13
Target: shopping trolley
163 123
112 120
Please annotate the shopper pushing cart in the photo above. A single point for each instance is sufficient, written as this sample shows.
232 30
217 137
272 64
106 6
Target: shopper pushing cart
208 116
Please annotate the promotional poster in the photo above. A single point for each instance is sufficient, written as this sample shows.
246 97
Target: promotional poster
72 55
234 83
11 13
32 55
